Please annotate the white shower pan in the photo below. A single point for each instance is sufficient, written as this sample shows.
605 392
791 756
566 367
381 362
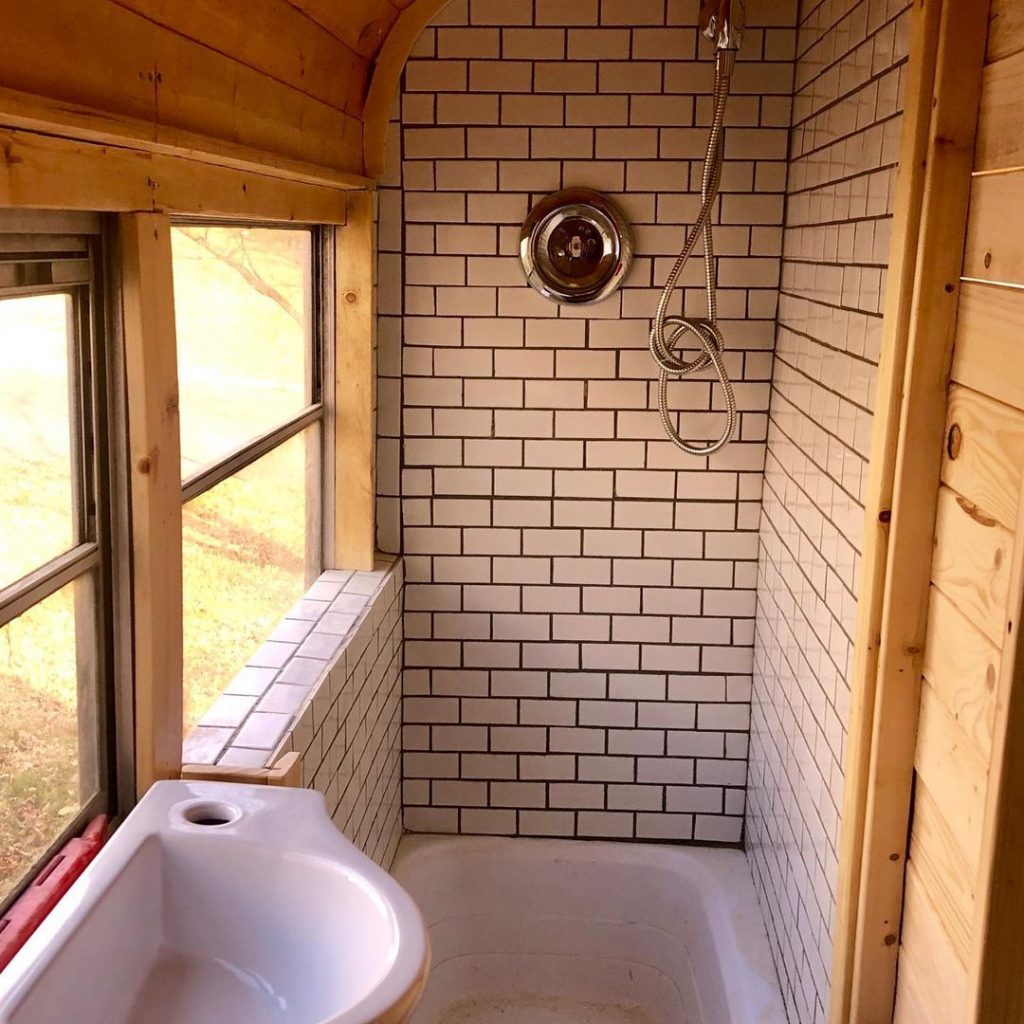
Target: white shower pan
223 904
527 931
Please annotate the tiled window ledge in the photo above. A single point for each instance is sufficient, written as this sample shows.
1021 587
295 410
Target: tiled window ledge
331 624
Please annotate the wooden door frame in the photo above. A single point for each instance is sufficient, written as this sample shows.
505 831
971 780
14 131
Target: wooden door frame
929 225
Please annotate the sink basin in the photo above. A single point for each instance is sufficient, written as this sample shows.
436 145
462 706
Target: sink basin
223 903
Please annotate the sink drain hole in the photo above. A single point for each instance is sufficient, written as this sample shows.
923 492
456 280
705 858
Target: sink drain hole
211 814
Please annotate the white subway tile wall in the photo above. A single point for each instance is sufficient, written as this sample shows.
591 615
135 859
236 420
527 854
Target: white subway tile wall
846 121
580 596
348 730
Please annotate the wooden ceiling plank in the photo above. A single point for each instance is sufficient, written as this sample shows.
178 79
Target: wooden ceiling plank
40 115
315 62
126 65
363 25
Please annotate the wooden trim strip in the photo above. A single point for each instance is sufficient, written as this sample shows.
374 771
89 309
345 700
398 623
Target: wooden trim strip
950 159
47 172
879 494
154 472
354 388
86 124
286 771
387 73
947 56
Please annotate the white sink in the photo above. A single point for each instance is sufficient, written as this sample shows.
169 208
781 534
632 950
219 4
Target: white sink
225 904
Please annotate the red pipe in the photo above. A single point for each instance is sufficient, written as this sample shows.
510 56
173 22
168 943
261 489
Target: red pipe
28 911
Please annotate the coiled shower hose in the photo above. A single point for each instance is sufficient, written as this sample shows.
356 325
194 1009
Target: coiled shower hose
668 331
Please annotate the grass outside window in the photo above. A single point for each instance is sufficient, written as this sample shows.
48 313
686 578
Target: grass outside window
54 673
248 365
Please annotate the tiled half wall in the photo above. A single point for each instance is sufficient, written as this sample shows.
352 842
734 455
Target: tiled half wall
580 596
327 683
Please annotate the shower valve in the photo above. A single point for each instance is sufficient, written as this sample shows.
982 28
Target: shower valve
575 246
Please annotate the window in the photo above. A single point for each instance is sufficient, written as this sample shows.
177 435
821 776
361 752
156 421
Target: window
55 654
247 310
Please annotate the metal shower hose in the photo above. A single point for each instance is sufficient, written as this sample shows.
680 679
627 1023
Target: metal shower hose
667 331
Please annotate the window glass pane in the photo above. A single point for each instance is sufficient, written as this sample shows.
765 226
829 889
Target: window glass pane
48 772
243 313
36 470
248 545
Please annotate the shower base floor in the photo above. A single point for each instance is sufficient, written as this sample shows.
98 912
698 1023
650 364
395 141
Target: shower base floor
534 931
528 1009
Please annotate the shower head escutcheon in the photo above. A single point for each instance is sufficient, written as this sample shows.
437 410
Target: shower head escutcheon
723 22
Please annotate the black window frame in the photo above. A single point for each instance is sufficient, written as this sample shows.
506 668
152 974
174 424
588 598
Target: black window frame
69 253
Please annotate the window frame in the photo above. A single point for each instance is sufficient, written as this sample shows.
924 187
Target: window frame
66 253
318 410
145 474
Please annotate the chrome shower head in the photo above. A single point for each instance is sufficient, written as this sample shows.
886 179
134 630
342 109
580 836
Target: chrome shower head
723 21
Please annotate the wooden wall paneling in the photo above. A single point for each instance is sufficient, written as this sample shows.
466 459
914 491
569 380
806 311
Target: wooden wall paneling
989 357
355 387
989 354
1000 141
920 425
150 360
945 870
1006 33
954 771
961 665
932 977
127 65
913 996
995 978
984 455
971 564
35 172
273 38
993 252
915 140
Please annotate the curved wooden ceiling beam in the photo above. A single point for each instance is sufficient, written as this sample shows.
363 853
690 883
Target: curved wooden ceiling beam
387 73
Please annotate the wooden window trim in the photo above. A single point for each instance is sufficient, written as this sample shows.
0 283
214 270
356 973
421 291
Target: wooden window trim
56 173
156 494
354 387
154 462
